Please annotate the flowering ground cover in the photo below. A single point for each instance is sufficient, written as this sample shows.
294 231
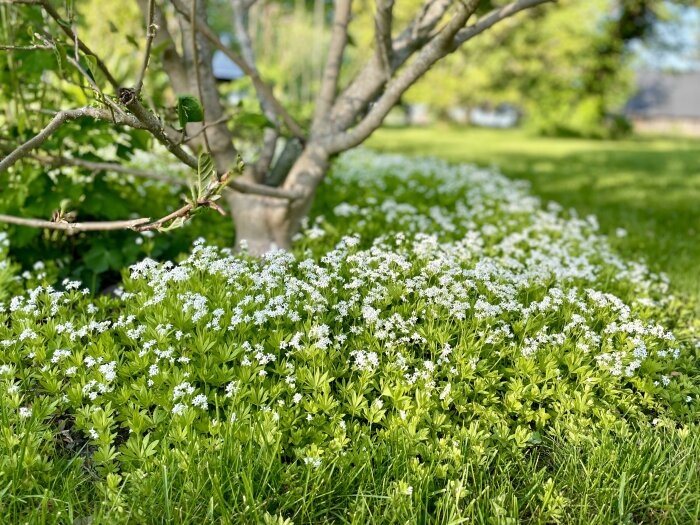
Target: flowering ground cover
440 347
645 191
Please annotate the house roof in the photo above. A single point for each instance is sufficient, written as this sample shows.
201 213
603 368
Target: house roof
222 66
667 95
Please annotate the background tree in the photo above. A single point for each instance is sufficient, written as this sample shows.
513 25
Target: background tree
271 193
569 69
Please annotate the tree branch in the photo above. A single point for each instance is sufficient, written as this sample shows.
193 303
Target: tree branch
263 88
493 17
437 47
171 59
198 76
25 48
56 122
383 19
329 85
152 124
444 42
369 82
265 191
109 166
240 7
234 184
75 226
151 30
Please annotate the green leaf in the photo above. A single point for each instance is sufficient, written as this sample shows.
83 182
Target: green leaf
535 438
189 110
253 120
205 171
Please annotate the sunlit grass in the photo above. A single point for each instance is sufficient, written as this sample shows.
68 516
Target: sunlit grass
648 186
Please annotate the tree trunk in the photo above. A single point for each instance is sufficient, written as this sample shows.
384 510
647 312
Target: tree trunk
269 223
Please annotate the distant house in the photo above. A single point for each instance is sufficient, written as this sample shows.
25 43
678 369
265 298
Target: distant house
666 103
502 116
223 67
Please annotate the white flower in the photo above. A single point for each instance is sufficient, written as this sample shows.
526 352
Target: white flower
297 397
200 401
25 412
314 462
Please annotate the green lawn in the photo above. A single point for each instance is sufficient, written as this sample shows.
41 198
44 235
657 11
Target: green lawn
648 186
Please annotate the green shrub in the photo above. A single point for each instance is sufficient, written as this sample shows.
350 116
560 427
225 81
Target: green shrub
434 321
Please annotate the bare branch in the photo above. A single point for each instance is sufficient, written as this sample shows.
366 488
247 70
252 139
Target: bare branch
240 8
263 88
201 130
437 47
383 19
101 96
266 191
75 226
444 42
171 59
151 30
109 166
214 187
368 83
25 48
56 122
329 85
493 17
198 76
235 184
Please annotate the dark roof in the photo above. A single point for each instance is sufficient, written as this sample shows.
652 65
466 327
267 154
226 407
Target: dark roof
666 95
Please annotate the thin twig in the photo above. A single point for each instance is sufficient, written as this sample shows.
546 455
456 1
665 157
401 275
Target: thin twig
151 29
240 8
56 122
261 189
25 48
109 166
331 73
100 95
217 122
198 76
75 226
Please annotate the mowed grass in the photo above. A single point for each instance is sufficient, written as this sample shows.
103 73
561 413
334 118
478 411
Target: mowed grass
649 186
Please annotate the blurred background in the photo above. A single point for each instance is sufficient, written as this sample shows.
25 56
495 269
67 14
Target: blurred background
596 102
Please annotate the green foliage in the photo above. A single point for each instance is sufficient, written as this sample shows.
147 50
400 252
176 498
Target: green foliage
428 361
549 62
189 110
7 269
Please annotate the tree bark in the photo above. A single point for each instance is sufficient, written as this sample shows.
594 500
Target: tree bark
269 223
